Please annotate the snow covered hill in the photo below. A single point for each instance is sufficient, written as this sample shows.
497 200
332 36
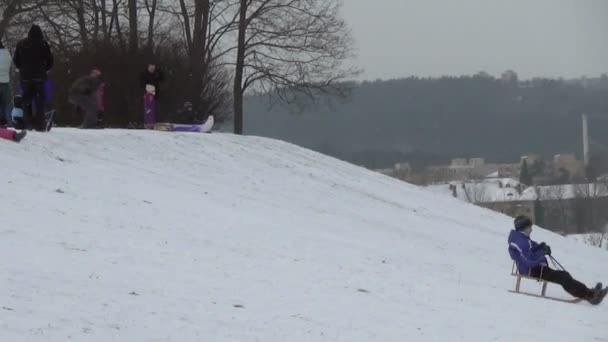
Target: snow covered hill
120 235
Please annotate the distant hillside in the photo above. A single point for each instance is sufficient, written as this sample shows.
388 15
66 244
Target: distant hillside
385 121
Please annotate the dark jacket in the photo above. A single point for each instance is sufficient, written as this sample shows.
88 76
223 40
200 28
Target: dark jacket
154 78
33 56
85 85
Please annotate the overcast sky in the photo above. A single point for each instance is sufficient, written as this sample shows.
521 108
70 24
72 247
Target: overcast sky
397 38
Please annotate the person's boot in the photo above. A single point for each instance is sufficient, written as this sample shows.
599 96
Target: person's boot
19 135
600 295
100 119
595 295
19 123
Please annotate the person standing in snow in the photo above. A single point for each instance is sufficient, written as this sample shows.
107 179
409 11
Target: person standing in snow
530 258
5 78
33 59
84 95
150 80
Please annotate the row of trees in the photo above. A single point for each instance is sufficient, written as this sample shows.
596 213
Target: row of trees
436 119
575 208
212 51
570 208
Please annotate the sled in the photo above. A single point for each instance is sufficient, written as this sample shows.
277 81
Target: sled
543 293
173 127
49 120
163 126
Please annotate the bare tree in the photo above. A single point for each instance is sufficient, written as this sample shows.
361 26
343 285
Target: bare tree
206 24
133 27
598 239
556 201
151 6
590 206
104 19
13 8
115 24
289 47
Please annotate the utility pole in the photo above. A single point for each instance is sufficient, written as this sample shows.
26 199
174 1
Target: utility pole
585 141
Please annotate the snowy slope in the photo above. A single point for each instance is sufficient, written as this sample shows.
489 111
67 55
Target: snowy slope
149 236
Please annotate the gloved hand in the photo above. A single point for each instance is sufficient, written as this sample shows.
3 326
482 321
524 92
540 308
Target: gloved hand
545 248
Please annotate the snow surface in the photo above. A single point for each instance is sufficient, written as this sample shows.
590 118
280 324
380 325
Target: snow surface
598 240
122 235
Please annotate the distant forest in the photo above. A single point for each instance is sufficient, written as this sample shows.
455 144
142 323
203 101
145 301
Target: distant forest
430 120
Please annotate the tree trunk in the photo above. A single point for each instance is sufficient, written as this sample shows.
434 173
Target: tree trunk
197 34
186 19
240 65
7 16
133 29
82 25
121 40
104 20
205 26
96 22
152 11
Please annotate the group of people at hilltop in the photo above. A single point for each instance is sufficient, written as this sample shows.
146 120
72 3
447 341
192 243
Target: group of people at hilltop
33 59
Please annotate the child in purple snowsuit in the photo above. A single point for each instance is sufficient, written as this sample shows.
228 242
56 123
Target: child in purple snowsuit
530 258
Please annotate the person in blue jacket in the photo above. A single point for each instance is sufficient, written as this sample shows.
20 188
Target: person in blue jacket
530 258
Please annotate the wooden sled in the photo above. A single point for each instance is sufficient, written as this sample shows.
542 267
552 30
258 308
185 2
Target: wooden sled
543 294
196 128
163 126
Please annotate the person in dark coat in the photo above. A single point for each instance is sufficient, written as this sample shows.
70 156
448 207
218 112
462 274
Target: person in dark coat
84 95
530 258
33 59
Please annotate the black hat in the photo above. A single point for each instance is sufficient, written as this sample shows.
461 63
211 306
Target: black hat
522 222
35 33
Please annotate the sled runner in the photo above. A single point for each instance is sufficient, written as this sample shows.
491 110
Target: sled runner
543 293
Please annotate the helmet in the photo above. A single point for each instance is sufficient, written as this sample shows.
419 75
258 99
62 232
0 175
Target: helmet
522 222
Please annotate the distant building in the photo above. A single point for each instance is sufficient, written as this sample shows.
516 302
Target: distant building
562 169
530 159
459 163
569 163
567 209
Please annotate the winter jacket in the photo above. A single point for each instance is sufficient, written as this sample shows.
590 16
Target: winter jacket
154 78
33 56
5 66
85 85
525 252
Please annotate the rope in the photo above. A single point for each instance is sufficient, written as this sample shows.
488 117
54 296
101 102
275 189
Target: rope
556 263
